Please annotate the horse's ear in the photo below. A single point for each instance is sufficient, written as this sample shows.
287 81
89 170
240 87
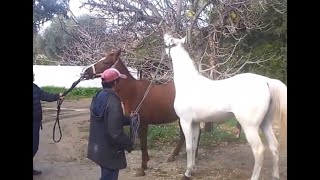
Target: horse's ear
165 28
183 40
118 52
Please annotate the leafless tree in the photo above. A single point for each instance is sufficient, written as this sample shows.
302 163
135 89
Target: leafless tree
215 30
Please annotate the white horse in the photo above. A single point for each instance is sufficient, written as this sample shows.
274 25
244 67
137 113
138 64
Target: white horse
254 100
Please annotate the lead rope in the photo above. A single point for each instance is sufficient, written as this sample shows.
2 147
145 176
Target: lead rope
134 115
59 102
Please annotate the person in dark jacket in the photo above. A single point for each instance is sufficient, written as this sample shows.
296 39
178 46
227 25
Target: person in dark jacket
107 140
38 96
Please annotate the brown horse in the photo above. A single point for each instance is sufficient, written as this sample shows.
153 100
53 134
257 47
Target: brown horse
157 107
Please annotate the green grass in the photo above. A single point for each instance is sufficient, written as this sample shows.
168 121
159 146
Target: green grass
168 135
76 93
159 135
221 134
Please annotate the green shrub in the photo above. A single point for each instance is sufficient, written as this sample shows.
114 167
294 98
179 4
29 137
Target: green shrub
168 134
76 93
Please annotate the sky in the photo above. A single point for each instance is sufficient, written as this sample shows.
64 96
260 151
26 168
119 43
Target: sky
74 7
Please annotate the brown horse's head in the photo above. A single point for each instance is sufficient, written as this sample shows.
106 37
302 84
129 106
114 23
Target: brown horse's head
93 70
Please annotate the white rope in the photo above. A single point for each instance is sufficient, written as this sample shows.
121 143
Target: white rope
134 126
135 118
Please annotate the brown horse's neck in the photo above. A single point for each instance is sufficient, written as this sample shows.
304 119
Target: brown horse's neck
124 70
125 88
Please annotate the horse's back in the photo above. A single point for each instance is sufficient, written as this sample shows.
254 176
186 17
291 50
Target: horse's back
220 97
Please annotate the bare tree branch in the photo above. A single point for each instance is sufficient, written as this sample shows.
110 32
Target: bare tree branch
216 30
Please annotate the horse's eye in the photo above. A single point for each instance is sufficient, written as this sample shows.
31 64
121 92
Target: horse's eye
105 62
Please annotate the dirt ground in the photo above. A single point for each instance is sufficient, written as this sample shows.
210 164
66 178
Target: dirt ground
66 160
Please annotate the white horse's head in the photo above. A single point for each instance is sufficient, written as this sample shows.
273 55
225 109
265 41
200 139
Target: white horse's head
170 41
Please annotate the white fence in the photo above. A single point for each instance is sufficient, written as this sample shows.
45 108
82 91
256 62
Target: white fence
64 76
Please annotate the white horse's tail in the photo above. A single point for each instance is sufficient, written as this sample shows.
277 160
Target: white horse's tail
278 92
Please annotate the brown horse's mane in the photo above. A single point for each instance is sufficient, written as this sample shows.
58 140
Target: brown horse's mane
123 69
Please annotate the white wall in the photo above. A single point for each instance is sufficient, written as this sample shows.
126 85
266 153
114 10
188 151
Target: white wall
64 76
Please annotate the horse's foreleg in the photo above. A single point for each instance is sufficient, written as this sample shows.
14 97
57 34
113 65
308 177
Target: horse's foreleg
186 126
179 145
143 130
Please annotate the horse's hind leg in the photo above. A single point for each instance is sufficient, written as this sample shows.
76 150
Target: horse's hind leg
266 127
143 130
178 147
252 135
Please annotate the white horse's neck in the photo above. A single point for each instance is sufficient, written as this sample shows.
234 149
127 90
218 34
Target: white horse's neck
182 63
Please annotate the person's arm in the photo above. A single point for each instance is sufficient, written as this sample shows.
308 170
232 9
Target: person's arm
114 119
49 97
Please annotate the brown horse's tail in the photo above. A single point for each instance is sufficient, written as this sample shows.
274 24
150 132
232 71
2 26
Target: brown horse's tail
278 92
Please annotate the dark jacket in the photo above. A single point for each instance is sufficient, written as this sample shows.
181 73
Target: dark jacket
107 140
38 96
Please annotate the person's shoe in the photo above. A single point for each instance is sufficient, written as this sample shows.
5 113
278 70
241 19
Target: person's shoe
36 173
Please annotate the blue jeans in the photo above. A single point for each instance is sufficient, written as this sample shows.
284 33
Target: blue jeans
109 174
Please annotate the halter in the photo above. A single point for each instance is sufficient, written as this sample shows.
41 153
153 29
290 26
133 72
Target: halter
93 70
169 47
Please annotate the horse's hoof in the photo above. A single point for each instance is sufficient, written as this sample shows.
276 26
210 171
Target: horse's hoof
184 177
140 172
171 159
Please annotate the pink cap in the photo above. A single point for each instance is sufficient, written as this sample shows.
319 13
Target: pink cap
112 74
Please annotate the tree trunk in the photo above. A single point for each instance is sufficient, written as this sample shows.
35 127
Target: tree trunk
208 127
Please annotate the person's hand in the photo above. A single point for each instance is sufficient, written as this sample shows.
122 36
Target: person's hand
61 97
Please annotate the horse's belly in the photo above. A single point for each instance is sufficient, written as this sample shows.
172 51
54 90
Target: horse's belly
203 113
216 117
